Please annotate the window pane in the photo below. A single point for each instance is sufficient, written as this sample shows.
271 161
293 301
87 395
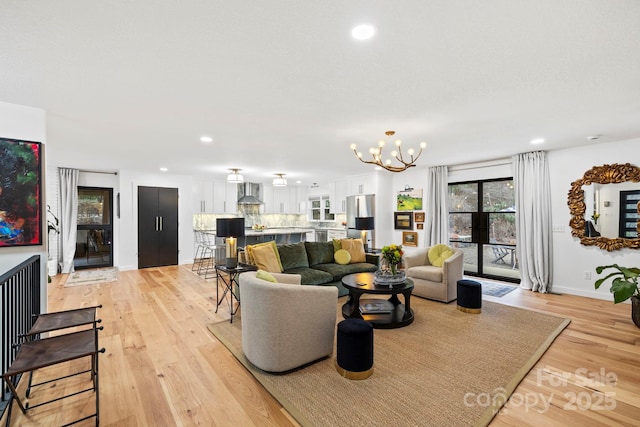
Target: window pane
460 227
93 207
463 197
498 196
502 228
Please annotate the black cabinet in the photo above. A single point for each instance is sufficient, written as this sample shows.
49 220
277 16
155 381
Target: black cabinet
157 226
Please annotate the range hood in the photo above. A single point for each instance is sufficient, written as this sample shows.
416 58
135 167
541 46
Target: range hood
249 194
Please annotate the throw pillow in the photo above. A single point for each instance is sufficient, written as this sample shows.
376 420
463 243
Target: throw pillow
438 254
293 256
249 250
342 257
336 245
355 249
266 259
261 274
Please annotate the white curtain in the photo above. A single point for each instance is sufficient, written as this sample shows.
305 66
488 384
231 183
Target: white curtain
437 212
68 179
533 220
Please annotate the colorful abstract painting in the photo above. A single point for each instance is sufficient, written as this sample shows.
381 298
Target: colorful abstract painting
20 193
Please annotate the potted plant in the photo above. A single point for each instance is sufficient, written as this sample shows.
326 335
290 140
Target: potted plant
624 285
53 226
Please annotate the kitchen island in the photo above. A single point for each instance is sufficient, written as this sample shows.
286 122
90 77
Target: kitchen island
279 235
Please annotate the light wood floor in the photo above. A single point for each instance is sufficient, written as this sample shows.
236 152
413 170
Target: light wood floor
163 368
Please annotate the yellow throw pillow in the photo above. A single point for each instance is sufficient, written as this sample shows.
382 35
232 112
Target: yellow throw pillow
342 257
266 259
355 249
249 250
261 274
438 254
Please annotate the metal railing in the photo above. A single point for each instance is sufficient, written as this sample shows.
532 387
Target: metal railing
19 306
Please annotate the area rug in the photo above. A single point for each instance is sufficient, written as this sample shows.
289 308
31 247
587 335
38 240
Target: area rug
496 289
92 277
446 368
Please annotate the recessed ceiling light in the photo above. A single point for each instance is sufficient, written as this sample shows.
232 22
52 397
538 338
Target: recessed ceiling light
537 141
298 182
206 139
363 32
164 169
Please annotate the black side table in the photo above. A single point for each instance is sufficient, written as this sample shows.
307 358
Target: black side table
227 277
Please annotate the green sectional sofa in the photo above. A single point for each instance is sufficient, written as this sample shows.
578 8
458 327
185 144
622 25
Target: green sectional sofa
315 263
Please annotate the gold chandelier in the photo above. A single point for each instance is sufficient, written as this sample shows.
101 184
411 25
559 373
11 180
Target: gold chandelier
377 159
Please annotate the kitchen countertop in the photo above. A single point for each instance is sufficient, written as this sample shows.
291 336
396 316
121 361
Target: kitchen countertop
283 230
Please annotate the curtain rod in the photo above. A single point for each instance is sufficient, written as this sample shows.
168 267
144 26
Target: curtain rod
482 164
108 173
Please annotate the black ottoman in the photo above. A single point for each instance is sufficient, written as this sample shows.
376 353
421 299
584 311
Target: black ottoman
469 296
354 350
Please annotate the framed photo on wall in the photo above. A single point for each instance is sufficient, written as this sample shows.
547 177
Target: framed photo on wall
410 200
20 193
420 226
403 220
418 216
409 238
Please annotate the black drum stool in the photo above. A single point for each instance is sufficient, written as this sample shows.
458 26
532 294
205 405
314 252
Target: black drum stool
469 296
354 358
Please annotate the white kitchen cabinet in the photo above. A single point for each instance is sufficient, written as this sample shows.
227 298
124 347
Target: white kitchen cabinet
338 195
281 200
225 197
320 208
363 184
202 196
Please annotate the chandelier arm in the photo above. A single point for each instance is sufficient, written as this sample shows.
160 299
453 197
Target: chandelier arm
376 154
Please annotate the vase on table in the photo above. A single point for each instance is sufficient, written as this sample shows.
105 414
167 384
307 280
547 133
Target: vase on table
394 268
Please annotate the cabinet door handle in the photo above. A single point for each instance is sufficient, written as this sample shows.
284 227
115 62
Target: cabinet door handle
161 223
157 223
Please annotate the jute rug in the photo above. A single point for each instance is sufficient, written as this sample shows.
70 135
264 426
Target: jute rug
438 371
92 277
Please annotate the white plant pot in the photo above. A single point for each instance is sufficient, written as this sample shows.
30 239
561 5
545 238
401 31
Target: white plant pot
52 267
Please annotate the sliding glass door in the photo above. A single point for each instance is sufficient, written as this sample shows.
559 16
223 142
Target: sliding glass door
482 224
94 241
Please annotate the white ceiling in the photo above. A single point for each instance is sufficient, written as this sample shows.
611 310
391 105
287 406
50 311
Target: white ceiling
282 87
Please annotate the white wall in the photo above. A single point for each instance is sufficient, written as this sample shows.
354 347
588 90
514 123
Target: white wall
570 259
27 123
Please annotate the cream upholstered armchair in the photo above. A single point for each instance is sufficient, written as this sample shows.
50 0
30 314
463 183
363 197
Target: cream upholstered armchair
437 283
286 325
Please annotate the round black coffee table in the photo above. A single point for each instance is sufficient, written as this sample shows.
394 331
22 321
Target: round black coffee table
381 313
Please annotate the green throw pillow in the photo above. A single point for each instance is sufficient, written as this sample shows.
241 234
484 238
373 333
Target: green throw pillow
438 254
342 257
337 245
261 274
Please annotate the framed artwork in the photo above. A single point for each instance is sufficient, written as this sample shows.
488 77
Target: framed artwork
418 216
403 220
20 193
409 238
410 200
420 226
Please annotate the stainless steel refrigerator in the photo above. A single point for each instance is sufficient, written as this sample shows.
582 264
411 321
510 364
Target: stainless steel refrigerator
361 206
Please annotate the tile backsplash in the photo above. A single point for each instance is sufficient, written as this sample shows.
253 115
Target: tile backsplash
206 221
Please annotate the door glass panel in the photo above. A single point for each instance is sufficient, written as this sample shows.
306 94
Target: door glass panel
498 196
502 228
94 206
